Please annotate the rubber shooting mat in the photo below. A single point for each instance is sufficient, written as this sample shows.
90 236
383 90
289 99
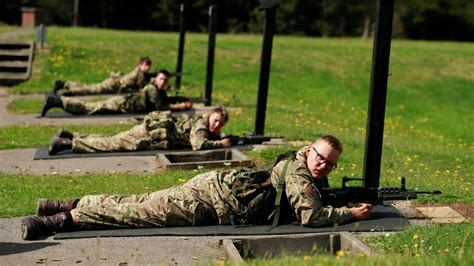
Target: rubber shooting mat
42 154
383 218
136 116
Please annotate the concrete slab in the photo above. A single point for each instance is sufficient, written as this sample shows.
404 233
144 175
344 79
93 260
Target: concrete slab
21 161
8 118
330 243
110 251
407 209
441 215
203 159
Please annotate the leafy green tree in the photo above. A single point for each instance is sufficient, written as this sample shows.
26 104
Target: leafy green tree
438 19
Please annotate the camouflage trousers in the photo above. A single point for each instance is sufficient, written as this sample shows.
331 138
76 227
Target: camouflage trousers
177 206
135 139
110 85
112 105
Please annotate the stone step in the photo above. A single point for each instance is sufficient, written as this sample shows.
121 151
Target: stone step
10 57
13 76
13 64
15 61
15 52
14 45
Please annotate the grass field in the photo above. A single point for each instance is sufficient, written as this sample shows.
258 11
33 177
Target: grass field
317 86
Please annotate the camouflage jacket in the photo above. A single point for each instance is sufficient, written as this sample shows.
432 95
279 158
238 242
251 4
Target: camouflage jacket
132 81
148 99
301 195
182 130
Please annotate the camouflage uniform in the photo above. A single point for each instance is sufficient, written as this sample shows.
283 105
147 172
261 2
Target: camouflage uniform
116 83
146 100
207 199
159 130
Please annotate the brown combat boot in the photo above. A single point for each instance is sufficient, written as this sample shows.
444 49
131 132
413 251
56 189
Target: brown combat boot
58 144
35 226
47 207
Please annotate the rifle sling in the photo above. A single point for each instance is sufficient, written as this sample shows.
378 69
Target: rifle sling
280 188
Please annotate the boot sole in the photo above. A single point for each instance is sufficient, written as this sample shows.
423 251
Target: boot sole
27 230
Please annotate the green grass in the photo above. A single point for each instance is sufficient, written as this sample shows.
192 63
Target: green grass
26 106
421 241
21 199
418 245
317 86
21 136
33 106
16 33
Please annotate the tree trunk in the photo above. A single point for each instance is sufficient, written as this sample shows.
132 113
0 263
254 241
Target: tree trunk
367 31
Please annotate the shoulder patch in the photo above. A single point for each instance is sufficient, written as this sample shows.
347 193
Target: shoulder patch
310 191
201 133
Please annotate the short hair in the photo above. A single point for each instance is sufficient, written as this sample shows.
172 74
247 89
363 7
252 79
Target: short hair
145 59
221 110
164 72
332 141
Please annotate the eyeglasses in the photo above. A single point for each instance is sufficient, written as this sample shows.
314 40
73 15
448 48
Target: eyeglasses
321 159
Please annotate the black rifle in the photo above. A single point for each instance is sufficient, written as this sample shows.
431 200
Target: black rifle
338 197
250 139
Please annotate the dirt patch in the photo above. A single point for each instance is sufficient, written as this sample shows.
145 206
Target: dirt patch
464 209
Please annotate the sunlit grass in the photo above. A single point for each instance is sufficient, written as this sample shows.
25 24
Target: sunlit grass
14 137
320 89
21 199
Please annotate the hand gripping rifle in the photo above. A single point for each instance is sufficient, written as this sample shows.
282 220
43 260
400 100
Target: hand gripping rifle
338 197
248 139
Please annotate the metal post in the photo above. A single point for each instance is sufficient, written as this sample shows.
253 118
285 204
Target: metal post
41 33
210 53
378 93
265 60
75 13
182 33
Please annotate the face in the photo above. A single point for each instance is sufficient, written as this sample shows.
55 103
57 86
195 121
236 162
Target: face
144 67
321 159
216 122
161 81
